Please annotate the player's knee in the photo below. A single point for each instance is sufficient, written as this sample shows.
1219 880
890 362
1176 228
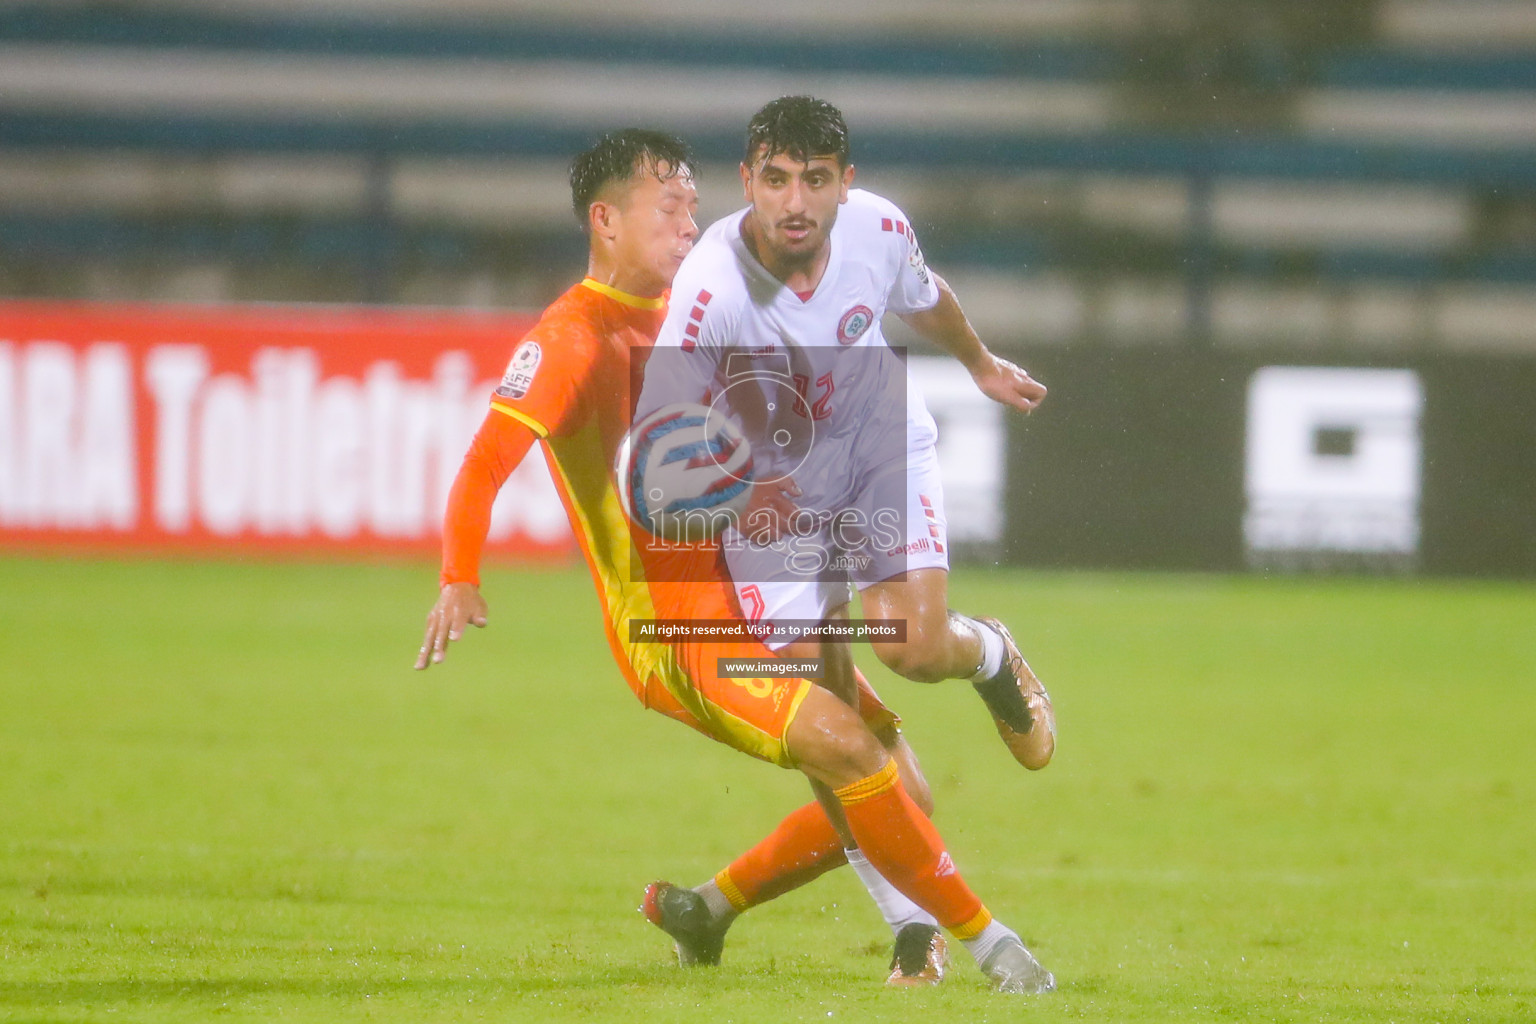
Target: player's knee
831 743
845 757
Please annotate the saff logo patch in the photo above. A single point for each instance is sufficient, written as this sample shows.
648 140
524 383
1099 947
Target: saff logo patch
915 260
853 324
519 376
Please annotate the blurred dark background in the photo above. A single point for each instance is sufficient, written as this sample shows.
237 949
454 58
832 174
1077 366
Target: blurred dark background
1319 174
1148 202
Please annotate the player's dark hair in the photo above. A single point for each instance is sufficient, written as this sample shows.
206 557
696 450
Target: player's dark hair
802 127
623 156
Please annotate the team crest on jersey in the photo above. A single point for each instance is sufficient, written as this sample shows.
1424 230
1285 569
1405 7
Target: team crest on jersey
853 324
519 376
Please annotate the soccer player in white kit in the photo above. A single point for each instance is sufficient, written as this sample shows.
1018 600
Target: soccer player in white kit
786 296
775 315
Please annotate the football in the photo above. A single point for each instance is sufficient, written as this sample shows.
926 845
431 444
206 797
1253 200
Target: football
685 472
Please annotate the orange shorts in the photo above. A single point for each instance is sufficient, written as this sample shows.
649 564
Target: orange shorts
752 714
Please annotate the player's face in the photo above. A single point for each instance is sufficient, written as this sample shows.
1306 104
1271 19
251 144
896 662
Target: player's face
794 204
656 228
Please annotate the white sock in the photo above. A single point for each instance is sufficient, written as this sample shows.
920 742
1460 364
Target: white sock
992 652
895 907
719 907
981 946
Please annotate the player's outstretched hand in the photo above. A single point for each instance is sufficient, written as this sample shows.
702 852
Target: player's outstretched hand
1002 381
459 605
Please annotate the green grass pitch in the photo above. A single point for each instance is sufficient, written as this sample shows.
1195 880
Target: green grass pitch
224 795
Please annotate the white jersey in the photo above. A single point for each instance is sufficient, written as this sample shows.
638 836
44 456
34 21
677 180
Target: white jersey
729 316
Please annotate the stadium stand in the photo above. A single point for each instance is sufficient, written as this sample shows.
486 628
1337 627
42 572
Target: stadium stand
1340 174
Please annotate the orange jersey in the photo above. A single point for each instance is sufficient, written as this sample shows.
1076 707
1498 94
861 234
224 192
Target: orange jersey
570 381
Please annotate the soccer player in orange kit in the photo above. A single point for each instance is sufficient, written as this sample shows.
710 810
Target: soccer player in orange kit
568 386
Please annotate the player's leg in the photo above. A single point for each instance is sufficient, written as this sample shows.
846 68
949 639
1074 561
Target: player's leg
938 644
842 677
814 838
912 584
777 595
750 715
794 723
828 602
943 644
800 849
832 745
810 841
803 846
921 953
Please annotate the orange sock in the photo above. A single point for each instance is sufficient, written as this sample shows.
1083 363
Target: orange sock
801 848
903 845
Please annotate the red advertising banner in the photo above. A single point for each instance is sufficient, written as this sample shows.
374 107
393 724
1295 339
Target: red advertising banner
253 427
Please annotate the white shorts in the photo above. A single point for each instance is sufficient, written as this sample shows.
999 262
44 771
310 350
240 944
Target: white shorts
806 577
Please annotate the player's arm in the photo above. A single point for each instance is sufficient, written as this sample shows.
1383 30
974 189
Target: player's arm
499 446
946 326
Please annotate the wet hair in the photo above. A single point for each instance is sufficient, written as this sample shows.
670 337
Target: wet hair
802 127
623 156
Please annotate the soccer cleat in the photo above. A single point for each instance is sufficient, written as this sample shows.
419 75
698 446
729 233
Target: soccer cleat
1013 968
920 958
1021 709
682 914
